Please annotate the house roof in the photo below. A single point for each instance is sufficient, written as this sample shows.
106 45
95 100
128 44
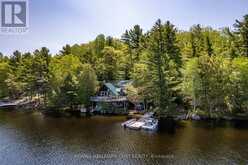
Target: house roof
112 88
124 83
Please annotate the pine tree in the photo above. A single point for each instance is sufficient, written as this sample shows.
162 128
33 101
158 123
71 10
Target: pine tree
40 67
66 50
4 70
109 41
68 92
132 39
209 47
242 32
161 62
99 44
87 84
197 40
1 56
14 80
109 64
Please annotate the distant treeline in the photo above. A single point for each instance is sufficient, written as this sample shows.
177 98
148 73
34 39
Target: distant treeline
203 69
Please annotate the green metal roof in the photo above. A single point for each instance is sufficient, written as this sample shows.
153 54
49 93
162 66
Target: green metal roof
112 88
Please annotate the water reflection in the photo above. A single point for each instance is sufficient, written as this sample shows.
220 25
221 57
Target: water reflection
32 138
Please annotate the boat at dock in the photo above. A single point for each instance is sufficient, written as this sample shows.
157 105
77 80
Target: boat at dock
127 123
150 124
146 122
136 125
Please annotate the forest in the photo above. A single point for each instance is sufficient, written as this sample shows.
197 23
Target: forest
204 70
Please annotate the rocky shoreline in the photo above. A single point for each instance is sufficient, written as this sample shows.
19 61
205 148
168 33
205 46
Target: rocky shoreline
196 117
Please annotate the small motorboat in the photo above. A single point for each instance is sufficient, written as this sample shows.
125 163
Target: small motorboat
127 123
136 125
150 124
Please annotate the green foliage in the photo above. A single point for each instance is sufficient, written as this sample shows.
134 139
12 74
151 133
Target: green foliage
242 32
216 84
99 45
133 39
40 70
87 84
142 84
66 50
237 99
62 68
163 62
68 92
4 69
72 82
14 81
109 64
1 56
197 41
207 67
209 48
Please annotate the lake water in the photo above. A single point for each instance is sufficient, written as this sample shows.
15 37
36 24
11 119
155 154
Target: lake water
31 138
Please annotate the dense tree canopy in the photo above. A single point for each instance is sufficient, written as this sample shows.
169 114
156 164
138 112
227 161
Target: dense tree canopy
202 67
242 32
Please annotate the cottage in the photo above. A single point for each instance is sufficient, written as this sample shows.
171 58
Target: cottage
110 99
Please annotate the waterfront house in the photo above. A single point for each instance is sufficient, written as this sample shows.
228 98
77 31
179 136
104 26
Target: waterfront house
110 98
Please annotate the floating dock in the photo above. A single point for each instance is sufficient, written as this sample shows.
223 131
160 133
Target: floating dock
146 122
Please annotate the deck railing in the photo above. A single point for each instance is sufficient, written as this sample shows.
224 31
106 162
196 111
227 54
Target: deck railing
108 98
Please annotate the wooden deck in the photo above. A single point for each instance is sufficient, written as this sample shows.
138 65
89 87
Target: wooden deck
14 103
109 99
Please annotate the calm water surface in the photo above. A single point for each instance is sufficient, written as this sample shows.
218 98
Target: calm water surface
31 138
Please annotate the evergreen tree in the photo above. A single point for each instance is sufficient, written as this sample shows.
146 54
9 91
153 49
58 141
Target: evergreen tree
132 39
197 40
15 60
66 50
99 44
160 62
109 64
68 95
231 46
59 68
242 32
40 67
209 47
1 56
4 70
214 75
109 41
172 50
14 81
87 84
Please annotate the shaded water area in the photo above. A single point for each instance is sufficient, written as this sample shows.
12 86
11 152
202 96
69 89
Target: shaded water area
32 138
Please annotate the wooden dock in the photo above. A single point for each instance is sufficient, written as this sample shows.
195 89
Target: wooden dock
13 103
5 105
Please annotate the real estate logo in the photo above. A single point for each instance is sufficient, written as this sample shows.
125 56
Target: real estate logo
14 16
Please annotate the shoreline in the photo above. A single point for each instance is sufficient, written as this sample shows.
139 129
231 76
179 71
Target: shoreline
56 111
73 113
